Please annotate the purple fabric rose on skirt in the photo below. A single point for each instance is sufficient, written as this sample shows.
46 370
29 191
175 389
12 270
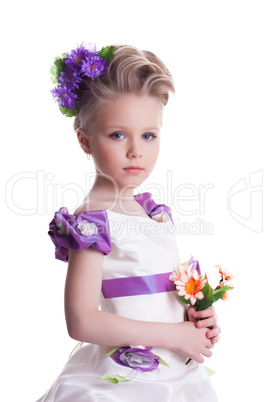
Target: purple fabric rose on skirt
137 359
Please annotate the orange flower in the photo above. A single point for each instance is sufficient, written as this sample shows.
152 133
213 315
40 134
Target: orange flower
224 274
190 284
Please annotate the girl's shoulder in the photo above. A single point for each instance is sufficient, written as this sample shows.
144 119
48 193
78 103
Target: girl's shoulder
89 206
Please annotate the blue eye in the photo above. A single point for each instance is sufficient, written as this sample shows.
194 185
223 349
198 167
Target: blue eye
148 136
117 136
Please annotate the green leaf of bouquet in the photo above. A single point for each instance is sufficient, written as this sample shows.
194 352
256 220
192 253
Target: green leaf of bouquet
162 361
208 298
182 298
209 371
218 294
222 289
107 53
112 352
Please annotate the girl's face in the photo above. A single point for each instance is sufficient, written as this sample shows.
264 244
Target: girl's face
125 143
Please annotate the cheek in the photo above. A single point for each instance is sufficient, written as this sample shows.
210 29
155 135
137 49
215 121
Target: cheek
153 155
107 157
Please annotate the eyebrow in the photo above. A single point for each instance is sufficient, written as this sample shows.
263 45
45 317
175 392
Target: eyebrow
126 128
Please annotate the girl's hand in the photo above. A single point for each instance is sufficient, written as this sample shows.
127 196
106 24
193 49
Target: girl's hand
191 342
208 319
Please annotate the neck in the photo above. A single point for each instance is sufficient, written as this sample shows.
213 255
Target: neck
104 189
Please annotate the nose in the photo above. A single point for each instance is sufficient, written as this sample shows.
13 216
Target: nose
134 149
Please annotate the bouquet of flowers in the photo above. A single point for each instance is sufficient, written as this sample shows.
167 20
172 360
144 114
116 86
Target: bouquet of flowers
194 289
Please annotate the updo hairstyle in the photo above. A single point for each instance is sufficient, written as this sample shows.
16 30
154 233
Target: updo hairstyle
130 71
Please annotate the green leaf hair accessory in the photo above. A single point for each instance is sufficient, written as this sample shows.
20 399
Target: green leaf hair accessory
57 67
107 53
68 71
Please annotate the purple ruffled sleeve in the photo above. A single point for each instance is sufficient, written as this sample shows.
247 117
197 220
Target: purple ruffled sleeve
150 207
91 228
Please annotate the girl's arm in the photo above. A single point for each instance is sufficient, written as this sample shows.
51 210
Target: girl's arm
86 323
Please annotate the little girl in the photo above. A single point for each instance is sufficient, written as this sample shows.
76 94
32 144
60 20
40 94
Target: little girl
120 247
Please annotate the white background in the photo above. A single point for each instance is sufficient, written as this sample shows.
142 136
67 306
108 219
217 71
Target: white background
214 136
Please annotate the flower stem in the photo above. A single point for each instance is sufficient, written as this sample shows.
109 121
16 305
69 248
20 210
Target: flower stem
188 361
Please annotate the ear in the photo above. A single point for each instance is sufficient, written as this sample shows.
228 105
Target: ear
83 141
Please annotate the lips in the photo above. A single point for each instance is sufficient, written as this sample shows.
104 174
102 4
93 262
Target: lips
133 169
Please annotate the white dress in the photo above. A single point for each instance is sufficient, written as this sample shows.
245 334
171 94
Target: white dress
141 247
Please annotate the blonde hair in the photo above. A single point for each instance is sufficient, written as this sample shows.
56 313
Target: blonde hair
131 71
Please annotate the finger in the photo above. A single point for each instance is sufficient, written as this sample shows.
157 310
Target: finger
215 339
211 346
208 322
192 308
191 311
209 312
212 333
198 358
207 352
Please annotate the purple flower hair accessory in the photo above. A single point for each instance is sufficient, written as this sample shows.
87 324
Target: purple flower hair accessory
70 77
65 96
94 67
68 71
77 56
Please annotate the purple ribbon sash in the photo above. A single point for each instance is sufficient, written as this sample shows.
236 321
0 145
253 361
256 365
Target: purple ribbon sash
141 285
137 285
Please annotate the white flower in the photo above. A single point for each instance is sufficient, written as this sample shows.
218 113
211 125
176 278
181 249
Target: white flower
162 217
86 228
